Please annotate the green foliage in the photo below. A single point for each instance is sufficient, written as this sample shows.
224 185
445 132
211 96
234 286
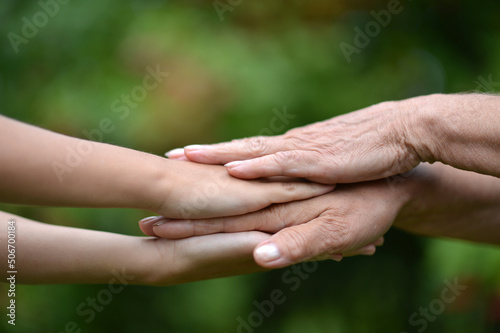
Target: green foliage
226 78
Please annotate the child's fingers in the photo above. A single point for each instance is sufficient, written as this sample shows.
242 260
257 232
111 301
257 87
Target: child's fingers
176 229
280 192
366 250
379 241
146 224
271 220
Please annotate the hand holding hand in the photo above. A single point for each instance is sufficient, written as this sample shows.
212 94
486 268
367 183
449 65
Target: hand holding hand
199 258
349 221
195 190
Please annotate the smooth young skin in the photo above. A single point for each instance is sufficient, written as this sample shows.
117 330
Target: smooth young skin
435 200
39 167
54 254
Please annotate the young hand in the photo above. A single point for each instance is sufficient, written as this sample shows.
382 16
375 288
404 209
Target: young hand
48 254
193 190
73 172
349 221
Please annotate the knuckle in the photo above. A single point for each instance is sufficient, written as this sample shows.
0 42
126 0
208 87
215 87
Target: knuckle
284 159
273 219
289 187
256 145
335 236
293 139
286 155
295 245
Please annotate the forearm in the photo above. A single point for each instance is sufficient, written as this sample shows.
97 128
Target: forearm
447 202
47 253
461 130
45 168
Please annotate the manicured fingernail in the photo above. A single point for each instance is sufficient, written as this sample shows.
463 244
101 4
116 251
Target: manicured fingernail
177 152
336 257
149 219
267 252
160 223
196 147
233 164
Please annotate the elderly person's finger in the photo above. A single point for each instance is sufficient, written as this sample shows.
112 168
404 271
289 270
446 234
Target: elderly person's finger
291 163
378 141
176 229
365 145
225 152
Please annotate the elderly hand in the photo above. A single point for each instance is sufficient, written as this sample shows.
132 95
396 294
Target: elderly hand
364 145
373 143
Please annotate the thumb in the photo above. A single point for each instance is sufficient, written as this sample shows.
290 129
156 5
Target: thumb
298 243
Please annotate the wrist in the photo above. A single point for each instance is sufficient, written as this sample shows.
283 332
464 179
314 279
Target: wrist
139 260
440 127
422 126
419 184
150 183
159 185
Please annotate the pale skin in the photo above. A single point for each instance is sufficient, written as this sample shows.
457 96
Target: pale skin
382 140
46 253
372 143
111 176
39 167
435 200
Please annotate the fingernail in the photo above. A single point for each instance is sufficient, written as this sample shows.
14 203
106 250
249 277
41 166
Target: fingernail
367 252
268 252
233 164
160 223
149 219
175 152
336 257
196 147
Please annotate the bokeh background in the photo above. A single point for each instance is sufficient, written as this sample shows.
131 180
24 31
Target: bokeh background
229 69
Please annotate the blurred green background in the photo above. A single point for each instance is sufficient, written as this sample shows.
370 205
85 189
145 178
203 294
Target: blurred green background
228 71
